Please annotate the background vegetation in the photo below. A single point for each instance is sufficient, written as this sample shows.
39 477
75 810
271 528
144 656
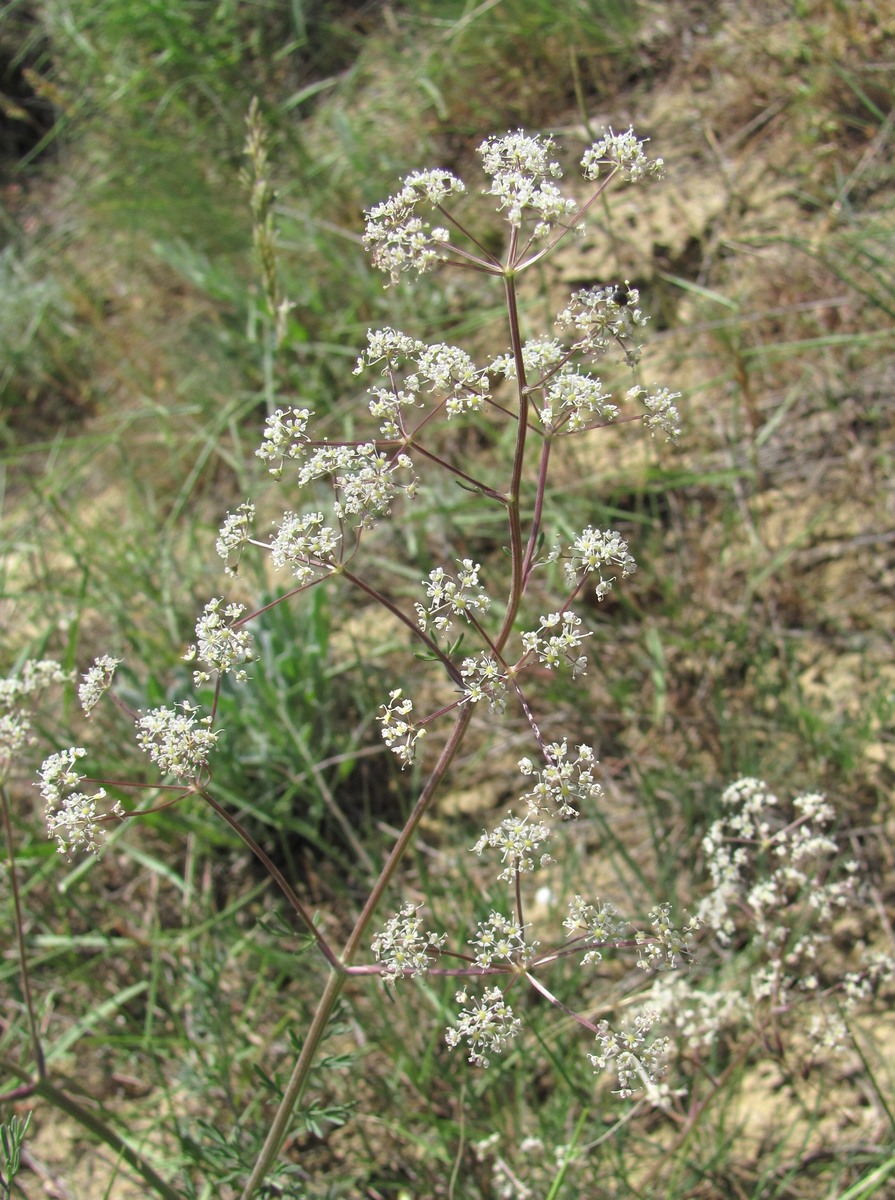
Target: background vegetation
136 370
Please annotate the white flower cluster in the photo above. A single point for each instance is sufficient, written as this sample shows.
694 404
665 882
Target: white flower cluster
179 742
878 972
595 925
488 1025
771 871
388 405
398 238
520 169
450 370
221 644
764 867
96 681
554 649
399 734
828 1032
622 152
305 545
500 938
71 814
592 551
284 437
235 533
449 597
366 480
540 357
572 401
369 487
661 411
700 1017
447 370
519 840
661 949
36 675
771 865
484 680
638 1062
828 1028
403 947
17 694
15 734
563 782
603 317
388 346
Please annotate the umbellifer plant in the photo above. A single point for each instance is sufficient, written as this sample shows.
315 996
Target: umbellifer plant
544 391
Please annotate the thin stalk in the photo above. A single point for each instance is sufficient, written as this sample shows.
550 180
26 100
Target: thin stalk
538 512
472 483
24 975
338 978
514 507
420 634
871 1074
276 875
520 556
565 230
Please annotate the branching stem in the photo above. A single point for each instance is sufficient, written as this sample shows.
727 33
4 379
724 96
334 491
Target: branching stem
298 1081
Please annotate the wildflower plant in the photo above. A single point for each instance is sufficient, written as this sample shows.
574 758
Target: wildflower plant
474 625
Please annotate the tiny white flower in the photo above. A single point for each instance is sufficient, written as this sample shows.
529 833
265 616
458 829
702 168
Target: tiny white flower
71 815
623 152
596 923
453 374
639 1062
594 550
397 236
284 437
519 840
452 596
177 740
222 644
556 649
600 320
488 1025
562 781
399 733
305 545
97 680
484 680
521 170
235 533
403 947
573 400
539 356
661 412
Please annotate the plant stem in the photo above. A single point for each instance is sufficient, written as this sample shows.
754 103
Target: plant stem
24 975
420 634
301 1071
276 875
521 557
